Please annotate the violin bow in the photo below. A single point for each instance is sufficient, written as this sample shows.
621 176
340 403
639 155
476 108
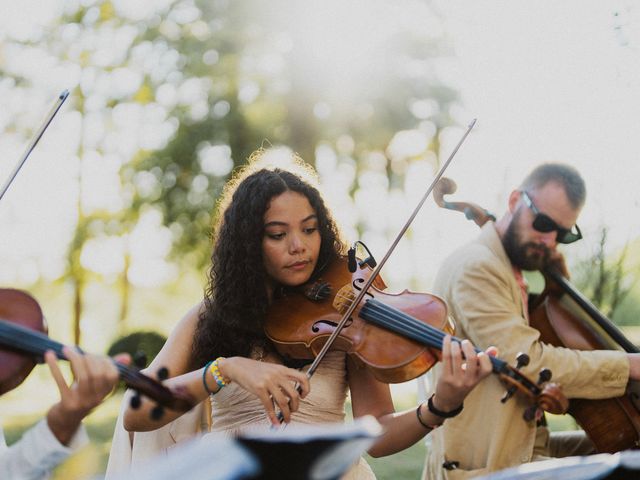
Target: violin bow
34 140
363 291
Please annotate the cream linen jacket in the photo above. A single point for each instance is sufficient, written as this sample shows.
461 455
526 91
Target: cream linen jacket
485 301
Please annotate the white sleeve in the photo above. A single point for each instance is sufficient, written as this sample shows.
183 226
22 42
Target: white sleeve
37 452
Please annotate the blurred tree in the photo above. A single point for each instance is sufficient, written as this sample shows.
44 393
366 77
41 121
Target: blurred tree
258 80
176 94
93 43
142 346
607 280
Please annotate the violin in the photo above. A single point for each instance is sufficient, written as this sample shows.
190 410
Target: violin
566 318
329 314
24 340
406 359
398 337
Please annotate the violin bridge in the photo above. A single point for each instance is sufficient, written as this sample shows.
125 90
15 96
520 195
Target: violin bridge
343 299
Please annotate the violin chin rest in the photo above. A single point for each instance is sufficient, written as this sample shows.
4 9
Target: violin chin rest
317 291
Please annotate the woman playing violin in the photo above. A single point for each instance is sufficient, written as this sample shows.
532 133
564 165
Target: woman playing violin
274 232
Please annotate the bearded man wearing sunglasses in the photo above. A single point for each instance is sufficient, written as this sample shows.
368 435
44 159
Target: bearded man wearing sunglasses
485 290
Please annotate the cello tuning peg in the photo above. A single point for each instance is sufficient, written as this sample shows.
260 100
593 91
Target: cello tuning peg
140 359
135 401
522 360
544 376
163 373
157 412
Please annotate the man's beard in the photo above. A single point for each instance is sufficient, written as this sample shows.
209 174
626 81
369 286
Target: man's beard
526 256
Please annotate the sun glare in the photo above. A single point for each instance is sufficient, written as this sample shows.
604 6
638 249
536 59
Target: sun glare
342 48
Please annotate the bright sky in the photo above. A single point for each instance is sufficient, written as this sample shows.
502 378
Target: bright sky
551 81
546 80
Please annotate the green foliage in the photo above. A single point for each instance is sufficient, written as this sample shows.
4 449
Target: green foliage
608 279
201 76
405 464
149 343
225 52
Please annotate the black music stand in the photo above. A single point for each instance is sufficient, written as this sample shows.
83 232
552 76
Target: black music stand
317 452
314 452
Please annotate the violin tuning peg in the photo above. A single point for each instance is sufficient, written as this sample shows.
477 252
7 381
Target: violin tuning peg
522 360
140 359
532 413
157 412
508 394
136 401
544 376
163 373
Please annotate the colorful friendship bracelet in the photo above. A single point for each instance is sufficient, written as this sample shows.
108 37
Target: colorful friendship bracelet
215 372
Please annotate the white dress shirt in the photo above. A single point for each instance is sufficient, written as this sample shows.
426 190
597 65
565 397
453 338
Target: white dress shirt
36 453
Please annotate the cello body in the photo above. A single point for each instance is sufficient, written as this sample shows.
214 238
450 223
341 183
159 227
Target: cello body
612 424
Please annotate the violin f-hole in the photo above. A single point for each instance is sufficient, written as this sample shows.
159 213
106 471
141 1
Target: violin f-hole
356 286
317 326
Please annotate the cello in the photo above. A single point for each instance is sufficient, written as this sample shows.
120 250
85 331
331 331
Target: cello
566 318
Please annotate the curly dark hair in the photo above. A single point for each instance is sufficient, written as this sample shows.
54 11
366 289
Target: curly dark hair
236 299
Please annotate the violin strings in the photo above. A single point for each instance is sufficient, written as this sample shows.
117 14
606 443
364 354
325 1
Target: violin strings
421 336
402 323
32 341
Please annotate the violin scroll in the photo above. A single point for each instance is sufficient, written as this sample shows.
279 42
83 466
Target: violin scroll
544 396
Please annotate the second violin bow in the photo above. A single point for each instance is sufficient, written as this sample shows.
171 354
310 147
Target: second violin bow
34 140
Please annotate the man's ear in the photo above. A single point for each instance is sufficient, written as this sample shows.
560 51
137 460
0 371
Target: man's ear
514 197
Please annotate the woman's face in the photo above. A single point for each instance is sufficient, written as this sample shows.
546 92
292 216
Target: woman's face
291 241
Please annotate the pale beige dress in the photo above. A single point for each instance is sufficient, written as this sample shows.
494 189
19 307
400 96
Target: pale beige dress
233 408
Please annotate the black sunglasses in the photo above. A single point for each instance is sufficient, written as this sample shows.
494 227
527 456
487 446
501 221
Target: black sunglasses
544 224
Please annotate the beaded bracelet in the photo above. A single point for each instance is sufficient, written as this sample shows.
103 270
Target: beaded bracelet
215 372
